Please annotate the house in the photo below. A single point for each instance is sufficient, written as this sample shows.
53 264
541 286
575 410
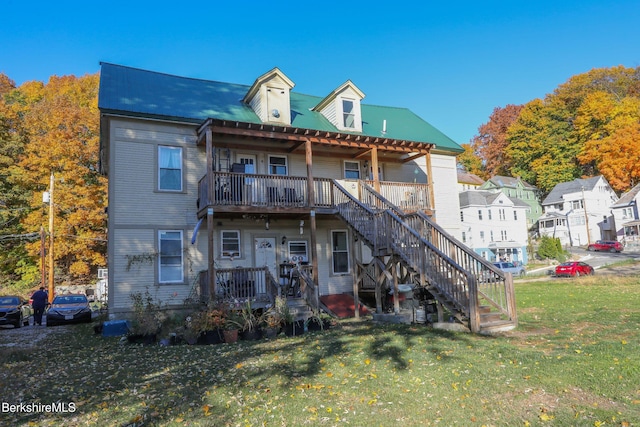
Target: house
626 217
516 187
579 212
468 181
241 192
494 225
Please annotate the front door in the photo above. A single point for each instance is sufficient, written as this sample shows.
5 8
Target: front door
265 249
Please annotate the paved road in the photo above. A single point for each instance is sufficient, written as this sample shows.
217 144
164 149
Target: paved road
595 259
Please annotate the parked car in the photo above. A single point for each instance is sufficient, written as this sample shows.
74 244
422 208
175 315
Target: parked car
509 267
69 309
574 269
606 246
14 311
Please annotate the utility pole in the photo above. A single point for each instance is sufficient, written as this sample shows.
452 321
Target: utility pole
51 239
43 258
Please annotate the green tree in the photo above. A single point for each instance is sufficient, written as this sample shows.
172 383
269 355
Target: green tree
551 248
471 162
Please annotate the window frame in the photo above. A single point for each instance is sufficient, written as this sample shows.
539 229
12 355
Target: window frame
180 239
161 168
270 165
224 240
356 170
351 114
344 251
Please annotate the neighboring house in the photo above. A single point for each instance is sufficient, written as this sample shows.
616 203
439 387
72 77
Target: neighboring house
626 217
216 189
579 212
494 225
516 187
468 181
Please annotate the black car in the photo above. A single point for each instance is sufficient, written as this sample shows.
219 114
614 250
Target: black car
69 309
14 311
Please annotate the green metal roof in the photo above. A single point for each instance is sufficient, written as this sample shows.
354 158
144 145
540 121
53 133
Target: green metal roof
131 91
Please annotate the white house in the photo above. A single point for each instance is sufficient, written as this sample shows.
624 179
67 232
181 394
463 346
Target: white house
626 217
494 225
579 212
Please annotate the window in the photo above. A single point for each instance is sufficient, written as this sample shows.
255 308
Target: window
503 234
464 237
170 256
230 240
482 236
170 168
277 165
480 214
340 252
502 215
298 251
515 215
461 216
351 170
576 204
489 214
348 114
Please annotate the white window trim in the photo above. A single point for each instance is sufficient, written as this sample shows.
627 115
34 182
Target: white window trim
160 280
344 168
226 254
159 169
340 273
286 164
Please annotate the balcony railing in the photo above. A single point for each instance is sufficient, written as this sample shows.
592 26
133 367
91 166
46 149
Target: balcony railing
290 192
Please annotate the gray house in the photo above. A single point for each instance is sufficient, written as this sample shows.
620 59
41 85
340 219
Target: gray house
242 192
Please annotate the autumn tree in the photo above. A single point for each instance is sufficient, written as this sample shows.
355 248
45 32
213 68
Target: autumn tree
542 145
13 201
471 162
610 129
61 122
491 141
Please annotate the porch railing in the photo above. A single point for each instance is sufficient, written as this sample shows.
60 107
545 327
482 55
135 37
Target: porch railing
240 284
410 197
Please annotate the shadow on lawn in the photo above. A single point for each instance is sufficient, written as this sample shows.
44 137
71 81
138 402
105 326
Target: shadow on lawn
153 384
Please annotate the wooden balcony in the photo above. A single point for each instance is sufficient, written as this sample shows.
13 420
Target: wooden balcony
253 193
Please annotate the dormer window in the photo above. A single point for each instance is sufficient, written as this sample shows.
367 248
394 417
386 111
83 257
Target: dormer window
342 107
348 114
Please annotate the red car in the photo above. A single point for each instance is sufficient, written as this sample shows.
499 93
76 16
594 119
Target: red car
606 246
574 269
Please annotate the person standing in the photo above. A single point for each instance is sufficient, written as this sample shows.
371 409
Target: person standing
40 299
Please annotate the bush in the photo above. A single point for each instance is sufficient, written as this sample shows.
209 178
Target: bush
551 248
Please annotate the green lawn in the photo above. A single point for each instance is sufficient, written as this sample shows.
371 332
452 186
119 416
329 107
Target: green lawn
574 360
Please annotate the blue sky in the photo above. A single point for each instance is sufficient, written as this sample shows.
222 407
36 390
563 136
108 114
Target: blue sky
450 62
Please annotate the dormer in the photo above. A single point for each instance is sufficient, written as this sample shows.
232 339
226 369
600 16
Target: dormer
269 97
342 107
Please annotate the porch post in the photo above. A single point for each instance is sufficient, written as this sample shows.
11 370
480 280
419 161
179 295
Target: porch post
314 254
312 214
356 278
310 184
210 231
432 203
374 167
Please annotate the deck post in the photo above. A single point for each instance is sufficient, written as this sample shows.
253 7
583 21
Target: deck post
356 278
210 232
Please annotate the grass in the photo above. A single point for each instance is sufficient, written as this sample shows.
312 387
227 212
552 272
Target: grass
574 360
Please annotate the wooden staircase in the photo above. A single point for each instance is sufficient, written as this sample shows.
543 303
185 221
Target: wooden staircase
477 294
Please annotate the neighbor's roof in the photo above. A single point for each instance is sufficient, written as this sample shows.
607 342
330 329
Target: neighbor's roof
574 186
508 181
469 178
627 198
140 93
486 198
